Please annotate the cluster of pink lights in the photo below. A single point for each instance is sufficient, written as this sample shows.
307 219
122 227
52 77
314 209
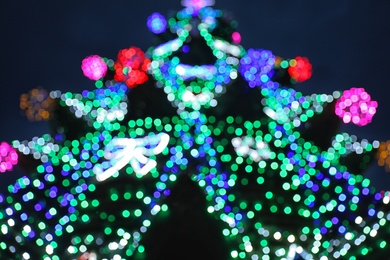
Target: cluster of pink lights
8 157
356 106
197 4
94 67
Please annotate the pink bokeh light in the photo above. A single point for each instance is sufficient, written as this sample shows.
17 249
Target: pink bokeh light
8 157
355 106
236 37
94 67
197 4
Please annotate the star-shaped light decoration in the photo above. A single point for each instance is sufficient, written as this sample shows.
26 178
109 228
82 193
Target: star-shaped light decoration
192 87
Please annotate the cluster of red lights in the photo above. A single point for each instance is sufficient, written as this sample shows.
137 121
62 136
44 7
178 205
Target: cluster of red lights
300 69
131 67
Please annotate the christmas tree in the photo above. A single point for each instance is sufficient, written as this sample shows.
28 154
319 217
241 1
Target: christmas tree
198 149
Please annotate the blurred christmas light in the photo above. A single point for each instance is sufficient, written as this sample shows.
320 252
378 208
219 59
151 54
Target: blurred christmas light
297 252
37 104
8 157
94 67
98 107
383 155
256 67
300 69
346 144
131 67
157 23
291 71
87 256
236 37
279 193
355 106
41 148
195 85
197 4
249 147
121 151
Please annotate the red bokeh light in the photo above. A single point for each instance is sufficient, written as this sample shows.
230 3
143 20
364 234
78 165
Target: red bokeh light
300 69
131 67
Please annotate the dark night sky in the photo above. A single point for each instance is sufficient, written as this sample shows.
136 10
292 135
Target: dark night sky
43 43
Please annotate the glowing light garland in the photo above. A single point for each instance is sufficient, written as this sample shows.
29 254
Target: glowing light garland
77 166
346 144
279 195
285 105
257 150
101 107
207 81
41 148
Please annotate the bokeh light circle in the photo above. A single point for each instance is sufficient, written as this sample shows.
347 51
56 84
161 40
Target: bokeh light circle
8 157
131 67
37 105
94 67
300 69
157 23
355 106
256 67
